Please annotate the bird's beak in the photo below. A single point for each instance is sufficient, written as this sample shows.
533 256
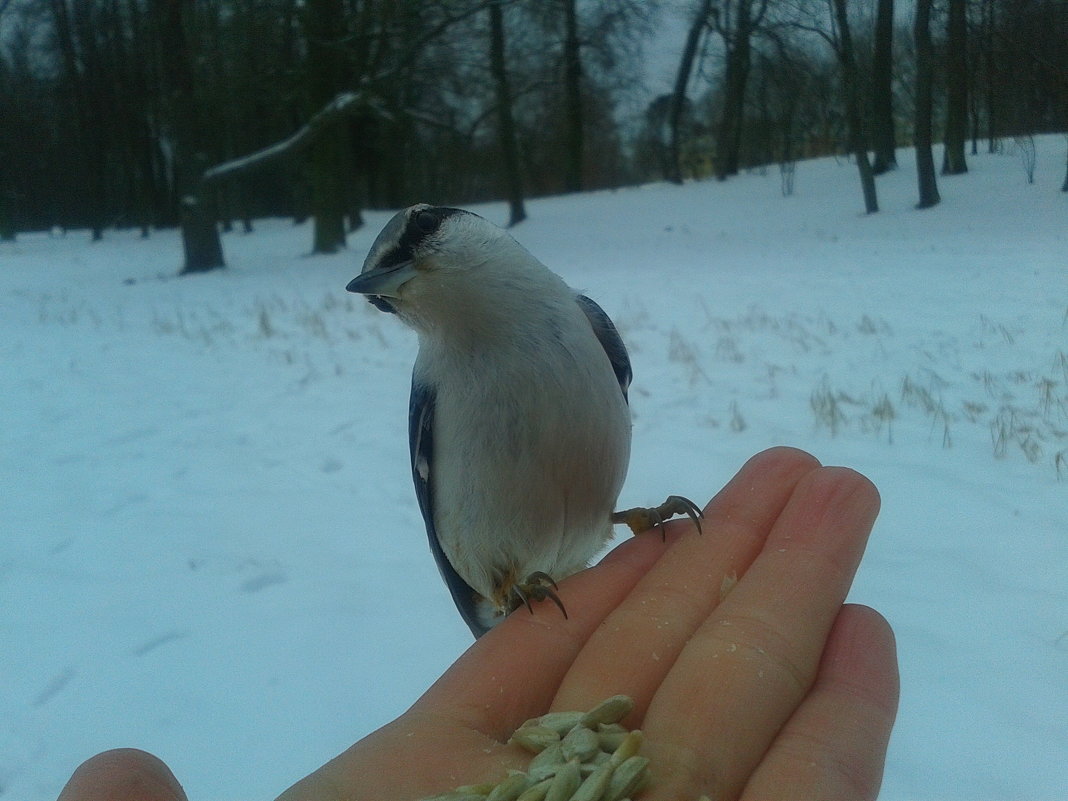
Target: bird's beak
383 281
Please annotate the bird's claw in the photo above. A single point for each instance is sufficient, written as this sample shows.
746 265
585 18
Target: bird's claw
643 518
538 586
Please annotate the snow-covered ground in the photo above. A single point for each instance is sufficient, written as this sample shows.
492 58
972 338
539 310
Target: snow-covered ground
210 548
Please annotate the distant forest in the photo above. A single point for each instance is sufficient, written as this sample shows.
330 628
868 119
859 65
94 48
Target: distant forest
209 113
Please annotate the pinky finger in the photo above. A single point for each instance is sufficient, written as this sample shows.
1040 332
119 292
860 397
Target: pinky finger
834 745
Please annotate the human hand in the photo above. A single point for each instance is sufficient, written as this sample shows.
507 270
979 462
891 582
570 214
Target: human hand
750 678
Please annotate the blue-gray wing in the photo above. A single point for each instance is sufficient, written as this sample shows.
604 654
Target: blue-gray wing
608 336
421 445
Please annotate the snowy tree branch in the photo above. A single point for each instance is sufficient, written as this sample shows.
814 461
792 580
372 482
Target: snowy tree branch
342 105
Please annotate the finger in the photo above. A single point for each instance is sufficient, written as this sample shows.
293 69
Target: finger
750 664
122 773
638 644
834 745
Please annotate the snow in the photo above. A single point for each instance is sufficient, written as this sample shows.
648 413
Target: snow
210 548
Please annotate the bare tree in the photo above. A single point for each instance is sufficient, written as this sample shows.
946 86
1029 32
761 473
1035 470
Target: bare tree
200 237
953 162
990 71
1064 186
325 31
925 169
574 58
698 25
857 139
840 39
7 212
505 122
75 31
735 21
573 99
7 192
1025 149
884 140
787 75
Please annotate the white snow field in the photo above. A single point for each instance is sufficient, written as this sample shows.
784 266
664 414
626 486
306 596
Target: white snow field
209 543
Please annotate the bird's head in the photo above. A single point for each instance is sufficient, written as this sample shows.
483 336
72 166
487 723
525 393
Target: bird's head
428 256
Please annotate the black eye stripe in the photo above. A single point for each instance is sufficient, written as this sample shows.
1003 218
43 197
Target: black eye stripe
423 224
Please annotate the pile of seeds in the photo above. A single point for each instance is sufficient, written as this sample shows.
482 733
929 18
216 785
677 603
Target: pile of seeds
579 756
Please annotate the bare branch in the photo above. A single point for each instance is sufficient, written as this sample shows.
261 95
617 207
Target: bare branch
827 37
344 104
446 23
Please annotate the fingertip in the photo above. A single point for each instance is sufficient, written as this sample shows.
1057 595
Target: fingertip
779 467
787 452
123 773
782 458
861 655
856 484
838 497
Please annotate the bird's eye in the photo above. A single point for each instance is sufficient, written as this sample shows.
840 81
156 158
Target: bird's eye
426 221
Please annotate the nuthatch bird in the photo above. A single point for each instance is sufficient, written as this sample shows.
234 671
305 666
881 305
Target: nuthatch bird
519 428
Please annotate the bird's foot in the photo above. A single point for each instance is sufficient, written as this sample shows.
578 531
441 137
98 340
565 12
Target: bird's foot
537 587
644 518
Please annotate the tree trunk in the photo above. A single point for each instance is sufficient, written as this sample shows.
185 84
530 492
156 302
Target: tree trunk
884 140
200 237
355 218
857 140
987 24
328 193
678 95
925 169
736 76
324 27
506 124
573 100
80 62
7 213
1064 187
956 135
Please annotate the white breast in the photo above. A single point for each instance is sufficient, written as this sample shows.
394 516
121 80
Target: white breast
531 444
